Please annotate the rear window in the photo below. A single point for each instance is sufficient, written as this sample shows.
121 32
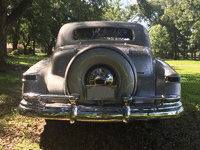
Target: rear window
103 33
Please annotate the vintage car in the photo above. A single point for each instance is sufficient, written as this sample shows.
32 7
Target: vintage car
101 72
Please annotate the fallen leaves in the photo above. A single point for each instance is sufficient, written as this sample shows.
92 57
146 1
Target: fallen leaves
17 130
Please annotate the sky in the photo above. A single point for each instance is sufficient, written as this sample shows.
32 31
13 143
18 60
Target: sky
131 2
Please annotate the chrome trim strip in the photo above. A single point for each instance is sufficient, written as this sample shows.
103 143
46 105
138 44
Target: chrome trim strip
47 98
173 82
160 97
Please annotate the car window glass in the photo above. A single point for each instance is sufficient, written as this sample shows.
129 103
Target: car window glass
103 33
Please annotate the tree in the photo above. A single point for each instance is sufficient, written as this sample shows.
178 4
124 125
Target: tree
62 11
46 18
179 18
115 12
188 15
149 11
159 38
8 17
195 38
86 10
25 33
14 35
36 22
168 18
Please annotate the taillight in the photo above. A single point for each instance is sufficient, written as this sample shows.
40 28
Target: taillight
173 79
27 77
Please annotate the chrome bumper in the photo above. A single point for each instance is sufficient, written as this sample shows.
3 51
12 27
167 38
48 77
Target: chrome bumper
36 105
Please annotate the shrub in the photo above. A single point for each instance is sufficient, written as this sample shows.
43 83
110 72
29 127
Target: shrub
15 52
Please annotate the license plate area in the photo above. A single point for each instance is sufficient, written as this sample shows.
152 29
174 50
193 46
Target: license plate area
107 92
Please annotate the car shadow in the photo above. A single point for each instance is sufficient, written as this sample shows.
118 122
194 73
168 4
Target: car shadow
81 135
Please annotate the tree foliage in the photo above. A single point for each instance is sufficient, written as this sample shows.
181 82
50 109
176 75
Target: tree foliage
9 15
44 19
195 37
179 18
115 12
148 11
39 25
159 39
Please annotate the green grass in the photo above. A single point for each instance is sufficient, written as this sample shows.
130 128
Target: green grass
26 60
190 76
22 132
18 64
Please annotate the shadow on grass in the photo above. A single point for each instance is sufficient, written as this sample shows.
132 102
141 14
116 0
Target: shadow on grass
179 133
62 135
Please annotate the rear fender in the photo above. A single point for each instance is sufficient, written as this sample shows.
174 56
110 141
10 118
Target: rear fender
168 81
34 78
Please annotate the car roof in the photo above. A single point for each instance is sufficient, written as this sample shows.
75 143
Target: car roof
66 33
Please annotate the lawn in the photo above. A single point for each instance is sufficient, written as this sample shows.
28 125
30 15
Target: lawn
190 76
17 131
22 132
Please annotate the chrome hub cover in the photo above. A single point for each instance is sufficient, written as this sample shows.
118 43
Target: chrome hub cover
100 76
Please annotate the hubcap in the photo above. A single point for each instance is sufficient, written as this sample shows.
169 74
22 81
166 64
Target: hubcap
100 76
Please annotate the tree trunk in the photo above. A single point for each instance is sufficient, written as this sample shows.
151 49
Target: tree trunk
175 55
50 49
184 54
25 49
3 32
176 51
33 47
2 50
194 55
161 55
45 49
15 43
175 44
50 46
15 35
5 49
170 55
3 45
191 55
178 54
199 56
25 46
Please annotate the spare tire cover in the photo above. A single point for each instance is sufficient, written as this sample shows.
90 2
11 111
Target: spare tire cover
109 56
